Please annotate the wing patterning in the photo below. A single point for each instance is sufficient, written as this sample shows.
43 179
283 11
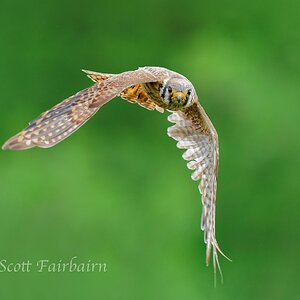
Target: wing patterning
194 132
56 124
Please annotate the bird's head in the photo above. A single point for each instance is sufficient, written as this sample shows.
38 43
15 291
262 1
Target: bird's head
177 93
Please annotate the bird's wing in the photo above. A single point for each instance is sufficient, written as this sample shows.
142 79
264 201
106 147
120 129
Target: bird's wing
194 131
132 94
56 124
96 76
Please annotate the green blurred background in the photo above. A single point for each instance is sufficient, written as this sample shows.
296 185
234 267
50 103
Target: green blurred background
118 190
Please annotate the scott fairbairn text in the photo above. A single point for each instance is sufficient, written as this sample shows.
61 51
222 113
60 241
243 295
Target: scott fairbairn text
46 265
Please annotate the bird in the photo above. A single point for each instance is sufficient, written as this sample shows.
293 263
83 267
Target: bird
154 88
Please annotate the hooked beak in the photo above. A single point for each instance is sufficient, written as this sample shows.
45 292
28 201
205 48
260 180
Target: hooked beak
179 96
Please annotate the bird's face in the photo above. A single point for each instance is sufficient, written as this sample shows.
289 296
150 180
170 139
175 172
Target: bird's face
177 93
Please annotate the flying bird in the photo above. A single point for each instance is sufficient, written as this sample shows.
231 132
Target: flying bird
153 88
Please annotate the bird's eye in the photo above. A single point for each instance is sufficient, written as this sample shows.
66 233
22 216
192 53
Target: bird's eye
189 92
169 89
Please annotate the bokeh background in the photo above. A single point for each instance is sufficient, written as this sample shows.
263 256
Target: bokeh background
118 190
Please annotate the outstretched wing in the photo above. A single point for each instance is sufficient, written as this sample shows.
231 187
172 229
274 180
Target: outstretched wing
194 131
56 124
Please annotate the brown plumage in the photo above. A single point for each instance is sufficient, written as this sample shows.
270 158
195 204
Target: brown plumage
133 94
154 88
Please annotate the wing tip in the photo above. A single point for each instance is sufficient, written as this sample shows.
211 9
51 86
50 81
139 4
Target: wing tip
17 142
86 71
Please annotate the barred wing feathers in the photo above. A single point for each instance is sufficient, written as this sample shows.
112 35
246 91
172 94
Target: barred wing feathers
56 124
194 132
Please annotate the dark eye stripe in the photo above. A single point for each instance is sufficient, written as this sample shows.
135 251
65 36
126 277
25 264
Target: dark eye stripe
164 92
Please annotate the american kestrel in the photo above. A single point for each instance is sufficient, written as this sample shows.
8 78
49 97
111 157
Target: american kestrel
154 88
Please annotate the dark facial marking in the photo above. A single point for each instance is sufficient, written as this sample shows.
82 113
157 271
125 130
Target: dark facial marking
164 92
